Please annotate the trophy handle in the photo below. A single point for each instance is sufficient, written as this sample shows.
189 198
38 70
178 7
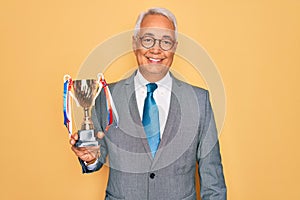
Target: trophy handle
67 77
75 99
100 77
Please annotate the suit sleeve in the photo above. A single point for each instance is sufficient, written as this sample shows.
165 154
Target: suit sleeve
98 113
212 181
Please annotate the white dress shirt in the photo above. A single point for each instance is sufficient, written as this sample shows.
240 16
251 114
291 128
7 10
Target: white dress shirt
162 96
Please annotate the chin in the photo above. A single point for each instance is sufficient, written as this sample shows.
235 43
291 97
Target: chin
156 71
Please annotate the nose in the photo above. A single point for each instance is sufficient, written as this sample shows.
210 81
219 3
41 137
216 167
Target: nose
156 48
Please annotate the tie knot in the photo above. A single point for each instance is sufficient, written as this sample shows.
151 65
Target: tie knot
151 87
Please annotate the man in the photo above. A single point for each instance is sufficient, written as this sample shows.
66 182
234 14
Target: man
165 126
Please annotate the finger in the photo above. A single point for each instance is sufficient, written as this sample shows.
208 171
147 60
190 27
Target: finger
89 149
92 151
75 149
84 157
86 153
78 151
92 148
87 157
82 149
100 134
74 136
72 141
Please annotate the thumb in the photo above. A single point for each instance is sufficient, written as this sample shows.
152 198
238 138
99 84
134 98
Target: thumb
100 134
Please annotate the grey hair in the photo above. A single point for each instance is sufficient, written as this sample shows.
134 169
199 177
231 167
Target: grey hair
155 11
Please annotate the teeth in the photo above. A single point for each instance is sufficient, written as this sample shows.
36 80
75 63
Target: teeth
154 60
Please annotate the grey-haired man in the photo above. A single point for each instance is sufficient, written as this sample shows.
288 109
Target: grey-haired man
166 126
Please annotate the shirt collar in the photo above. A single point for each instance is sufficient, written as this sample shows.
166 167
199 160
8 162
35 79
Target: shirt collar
165 82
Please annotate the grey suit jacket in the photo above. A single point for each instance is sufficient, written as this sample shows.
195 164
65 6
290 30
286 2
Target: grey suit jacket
190 136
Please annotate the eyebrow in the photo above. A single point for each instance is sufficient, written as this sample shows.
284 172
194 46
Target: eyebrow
164 36
148 34
167 37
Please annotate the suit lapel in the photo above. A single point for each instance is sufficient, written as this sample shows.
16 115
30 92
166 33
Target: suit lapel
134 114
173 120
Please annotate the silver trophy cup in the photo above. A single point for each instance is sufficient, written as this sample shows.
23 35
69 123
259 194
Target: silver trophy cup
86 91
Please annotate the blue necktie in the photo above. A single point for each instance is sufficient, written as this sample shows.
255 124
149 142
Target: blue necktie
151 119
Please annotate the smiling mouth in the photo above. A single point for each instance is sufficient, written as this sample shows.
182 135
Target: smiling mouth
155 60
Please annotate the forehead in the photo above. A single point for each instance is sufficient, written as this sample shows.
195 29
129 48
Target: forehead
157 32
157 25
158 21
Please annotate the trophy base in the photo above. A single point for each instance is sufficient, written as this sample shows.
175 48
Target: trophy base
86 138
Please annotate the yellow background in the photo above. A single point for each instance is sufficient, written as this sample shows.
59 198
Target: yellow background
255 45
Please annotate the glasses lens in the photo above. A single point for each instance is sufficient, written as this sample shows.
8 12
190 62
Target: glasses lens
166 44
147 42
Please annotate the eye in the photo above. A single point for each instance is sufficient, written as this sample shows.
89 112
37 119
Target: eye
147 39
167 42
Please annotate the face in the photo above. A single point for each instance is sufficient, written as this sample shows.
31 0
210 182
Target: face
154 62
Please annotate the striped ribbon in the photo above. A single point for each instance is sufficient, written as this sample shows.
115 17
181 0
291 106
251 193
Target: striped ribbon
67 103
111 109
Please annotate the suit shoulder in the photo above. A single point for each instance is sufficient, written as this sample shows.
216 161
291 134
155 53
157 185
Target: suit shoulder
197 89
200 90
113 84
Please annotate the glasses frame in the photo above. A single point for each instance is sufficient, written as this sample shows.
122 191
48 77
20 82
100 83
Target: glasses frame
159 42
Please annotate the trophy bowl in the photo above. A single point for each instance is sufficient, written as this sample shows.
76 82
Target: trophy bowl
85 92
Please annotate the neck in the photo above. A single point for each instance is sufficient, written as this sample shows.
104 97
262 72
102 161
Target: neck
153 77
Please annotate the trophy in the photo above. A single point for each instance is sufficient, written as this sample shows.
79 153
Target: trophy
85 93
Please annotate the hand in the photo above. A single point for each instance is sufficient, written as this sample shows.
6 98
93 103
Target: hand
87 154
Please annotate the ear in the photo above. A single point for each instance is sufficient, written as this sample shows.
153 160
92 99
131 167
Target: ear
175 46
134 44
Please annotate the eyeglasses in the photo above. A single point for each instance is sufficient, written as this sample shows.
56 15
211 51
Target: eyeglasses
149 42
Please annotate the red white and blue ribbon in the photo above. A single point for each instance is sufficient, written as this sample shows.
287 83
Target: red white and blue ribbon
111 108
67 103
